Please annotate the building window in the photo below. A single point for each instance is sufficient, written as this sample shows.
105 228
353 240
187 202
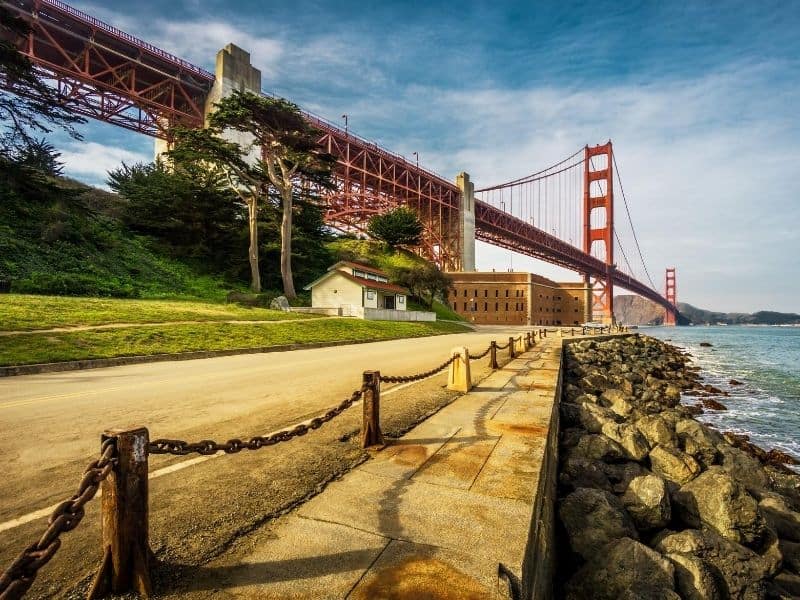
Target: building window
485 307
506 293
370 295
485 293
465 306
465 294
474 307
476 293
496 293
506 306
401 299
495 306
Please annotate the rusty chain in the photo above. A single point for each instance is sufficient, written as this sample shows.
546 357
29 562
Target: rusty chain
480 356
499 347
207 447
20 575
417 377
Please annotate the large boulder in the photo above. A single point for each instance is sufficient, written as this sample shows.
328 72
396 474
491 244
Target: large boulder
587 415
583 473
628 437
781 518
673 464
593 518
647 501
595 382
672 395
617 401
597 447
624 570
744 467
717 500
280 303
694 579
698 441
791 555
657 430
741 572
788 585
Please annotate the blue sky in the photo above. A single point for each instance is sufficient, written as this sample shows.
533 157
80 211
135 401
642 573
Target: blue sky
700 99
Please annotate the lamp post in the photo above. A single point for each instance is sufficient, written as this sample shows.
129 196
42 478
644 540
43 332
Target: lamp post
417 155
345 123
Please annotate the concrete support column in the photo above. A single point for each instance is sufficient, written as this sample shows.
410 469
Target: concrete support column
589 300
467 221
233 72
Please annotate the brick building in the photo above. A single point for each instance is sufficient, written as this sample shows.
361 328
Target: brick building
511 298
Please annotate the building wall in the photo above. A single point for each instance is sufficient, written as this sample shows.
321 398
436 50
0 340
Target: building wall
502 298
336 291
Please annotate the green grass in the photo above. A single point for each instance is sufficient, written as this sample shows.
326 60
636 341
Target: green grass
146 340
23 312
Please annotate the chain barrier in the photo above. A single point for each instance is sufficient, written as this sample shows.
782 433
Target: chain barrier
20 575
499 347
207 447
417 377
480 356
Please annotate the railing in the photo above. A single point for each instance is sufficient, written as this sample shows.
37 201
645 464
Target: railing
110 29
122 471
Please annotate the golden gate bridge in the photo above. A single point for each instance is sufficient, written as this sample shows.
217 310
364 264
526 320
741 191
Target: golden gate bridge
563 214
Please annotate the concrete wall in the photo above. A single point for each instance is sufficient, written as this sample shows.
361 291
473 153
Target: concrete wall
381 314
336 291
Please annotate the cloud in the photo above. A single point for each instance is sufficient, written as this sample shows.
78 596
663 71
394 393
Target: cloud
93 161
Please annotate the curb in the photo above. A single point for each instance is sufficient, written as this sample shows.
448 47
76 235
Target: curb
100 363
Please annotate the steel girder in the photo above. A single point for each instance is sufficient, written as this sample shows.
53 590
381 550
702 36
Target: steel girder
369 180
108 75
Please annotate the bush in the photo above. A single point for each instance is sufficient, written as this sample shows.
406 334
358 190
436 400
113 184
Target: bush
74 284
400 226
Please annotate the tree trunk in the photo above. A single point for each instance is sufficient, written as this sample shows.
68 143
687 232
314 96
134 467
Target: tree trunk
286 244
255 275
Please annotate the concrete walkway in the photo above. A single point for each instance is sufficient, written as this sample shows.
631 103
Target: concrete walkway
433 515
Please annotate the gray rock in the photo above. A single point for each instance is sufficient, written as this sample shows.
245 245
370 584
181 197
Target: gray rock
280 303
626 570
594 382
694 579
672 395
583 473
673 464
621 474
647 501
592 519
698 441
781 518
657 430
597 447
791 555
741 571
590 417
744 467
717 500
789 583
628 437
616 400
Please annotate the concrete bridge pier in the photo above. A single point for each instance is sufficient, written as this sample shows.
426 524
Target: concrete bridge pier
467 221
233 72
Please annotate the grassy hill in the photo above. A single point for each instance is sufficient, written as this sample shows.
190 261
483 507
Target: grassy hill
72 242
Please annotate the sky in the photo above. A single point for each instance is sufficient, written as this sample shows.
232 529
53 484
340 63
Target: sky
700 99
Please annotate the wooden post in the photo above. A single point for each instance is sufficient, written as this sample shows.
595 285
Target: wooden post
511 353
493 356
125 528
459 378
371 434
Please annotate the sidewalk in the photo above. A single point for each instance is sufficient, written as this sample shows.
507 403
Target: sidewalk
432 515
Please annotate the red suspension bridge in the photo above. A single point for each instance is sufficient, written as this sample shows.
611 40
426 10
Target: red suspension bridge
563 214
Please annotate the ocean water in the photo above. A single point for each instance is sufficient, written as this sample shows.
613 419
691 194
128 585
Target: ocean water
766 360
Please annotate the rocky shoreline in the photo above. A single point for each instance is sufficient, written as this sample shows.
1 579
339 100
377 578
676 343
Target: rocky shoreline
654 504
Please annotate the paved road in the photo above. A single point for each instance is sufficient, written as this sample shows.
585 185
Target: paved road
50 424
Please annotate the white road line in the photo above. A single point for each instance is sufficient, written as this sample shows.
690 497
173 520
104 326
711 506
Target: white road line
45 512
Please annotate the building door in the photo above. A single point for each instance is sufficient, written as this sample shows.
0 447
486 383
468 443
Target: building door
388 302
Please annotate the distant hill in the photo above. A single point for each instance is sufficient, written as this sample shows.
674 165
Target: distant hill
635 310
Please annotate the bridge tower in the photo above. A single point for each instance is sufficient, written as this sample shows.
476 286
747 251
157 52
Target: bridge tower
598 227
671 294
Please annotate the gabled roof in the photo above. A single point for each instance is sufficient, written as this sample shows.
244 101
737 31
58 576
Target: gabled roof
359 266
367 283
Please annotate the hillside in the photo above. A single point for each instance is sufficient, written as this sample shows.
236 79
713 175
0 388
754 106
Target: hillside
635 310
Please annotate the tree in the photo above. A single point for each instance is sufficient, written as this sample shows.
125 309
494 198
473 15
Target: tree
290 162
40 155
27 103
397 227
425 282
189 212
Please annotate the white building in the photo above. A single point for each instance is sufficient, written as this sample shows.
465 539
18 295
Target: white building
349 284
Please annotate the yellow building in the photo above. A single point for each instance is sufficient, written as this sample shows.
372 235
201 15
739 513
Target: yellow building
510 298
